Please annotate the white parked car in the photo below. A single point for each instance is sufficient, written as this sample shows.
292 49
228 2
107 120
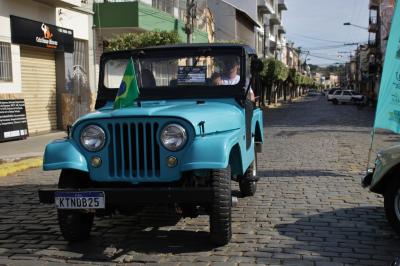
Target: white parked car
329 94
346 96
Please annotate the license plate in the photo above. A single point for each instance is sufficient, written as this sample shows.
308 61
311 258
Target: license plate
80 200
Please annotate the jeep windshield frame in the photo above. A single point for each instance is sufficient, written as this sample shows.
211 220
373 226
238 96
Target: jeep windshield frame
182 91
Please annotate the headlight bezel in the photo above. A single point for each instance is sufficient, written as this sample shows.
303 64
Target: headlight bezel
101 131
184 135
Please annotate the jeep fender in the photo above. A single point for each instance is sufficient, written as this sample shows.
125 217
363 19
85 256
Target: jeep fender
257 125
63 154
211 151
380 178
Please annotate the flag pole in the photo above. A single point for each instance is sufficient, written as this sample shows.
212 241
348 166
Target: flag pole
370 146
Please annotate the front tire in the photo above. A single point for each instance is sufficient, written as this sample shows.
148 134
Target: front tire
392 204
335 102
75 225
220 216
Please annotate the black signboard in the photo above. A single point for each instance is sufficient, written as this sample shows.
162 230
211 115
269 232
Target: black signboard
35 33
13 123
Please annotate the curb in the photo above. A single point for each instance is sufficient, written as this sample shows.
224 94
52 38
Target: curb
17 166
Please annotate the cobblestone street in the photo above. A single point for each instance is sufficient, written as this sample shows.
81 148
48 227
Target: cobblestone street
309 208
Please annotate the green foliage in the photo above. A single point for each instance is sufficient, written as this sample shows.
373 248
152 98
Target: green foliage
267 74
292 73
128 41
274 70
282 72
297 79
306 81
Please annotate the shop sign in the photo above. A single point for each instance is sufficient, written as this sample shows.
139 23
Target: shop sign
35 33
13 123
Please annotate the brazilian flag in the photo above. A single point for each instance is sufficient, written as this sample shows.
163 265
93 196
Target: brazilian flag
128 90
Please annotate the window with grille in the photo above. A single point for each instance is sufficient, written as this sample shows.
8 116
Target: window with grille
5 62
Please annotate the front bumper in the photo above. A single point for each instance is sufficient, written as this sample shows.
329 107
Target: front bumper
129 196
367 178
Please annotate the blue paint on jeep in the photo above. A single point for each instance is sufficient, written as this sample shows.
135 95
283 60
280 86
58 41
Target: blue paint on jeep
133 152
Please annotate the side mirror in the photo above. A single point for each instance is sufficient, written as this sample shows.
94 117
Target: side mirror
256 66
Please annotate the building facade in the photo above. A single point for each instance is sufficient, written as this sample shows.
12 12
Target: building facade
234 21
257 23
381 13
274 31
45 52
292 56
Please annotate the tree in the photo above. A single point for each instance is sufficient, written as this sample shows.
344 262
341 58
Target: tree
128 41
273 76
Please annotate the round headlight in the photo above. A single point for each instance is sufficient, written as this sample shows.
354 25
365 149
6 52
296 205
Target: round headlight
93 138
173 137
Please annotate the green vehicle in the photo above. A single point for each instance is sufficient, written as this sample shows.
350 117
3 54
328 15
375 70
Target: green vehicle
384 179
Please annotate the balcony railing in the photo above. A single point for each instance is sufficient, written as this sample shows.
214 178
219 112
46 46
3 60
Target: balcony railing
282 5
374 4
265 6
373 20
274 19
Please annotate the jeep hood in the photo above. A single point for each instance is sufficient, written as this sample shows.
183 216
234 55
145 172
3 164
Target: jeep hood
218 116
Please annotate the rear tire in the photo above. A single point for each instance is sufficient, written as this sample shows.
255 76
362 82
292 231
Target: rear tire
75 225
220 216
247 182
392 203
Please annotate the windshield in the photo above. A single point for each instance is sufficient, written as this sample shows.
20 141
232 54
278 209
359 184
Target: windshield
176 72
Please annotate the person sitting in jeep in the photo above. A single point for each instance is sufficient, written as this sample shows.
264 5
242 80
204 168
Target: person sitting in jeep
230 71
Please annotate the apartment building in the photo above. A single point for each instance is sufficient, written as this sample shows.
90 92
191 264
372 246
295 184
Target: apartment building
270 13
381 13
234 20
257 23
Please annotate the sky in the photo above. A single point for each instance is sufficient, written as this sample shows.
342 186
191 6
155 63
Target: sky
317 26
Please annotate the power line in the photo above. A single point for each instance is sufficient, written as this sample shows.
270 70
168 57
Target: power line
326 58
313 38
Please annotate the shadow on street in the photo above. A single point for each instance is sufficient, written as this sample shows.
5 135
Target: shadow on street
353 233
30 228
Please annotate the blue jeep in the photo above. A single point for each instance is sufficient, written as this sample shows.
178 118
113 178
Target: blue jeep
193 129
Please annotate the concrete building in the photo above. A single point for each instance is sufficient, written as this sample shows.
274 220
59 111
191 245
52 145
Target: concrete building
381 13
257 23
234 21
46 61
274 31
292 56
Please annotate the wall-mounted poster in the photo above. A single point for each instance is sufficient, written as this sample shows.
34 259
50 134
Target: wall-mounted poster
13 123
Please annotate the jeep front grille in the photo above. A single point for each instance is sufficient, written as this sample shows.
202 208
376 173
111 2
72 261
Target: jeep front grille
133 150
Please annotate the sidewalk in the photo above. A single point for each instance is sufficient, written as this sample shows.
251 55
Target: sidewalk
19 155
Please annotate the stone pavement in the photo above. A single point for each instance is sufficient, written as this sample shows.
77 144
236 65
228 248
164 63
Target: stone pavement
309 209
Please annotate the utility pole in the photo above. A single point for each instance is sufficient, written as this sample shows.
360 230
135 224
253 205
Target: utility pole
191 7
